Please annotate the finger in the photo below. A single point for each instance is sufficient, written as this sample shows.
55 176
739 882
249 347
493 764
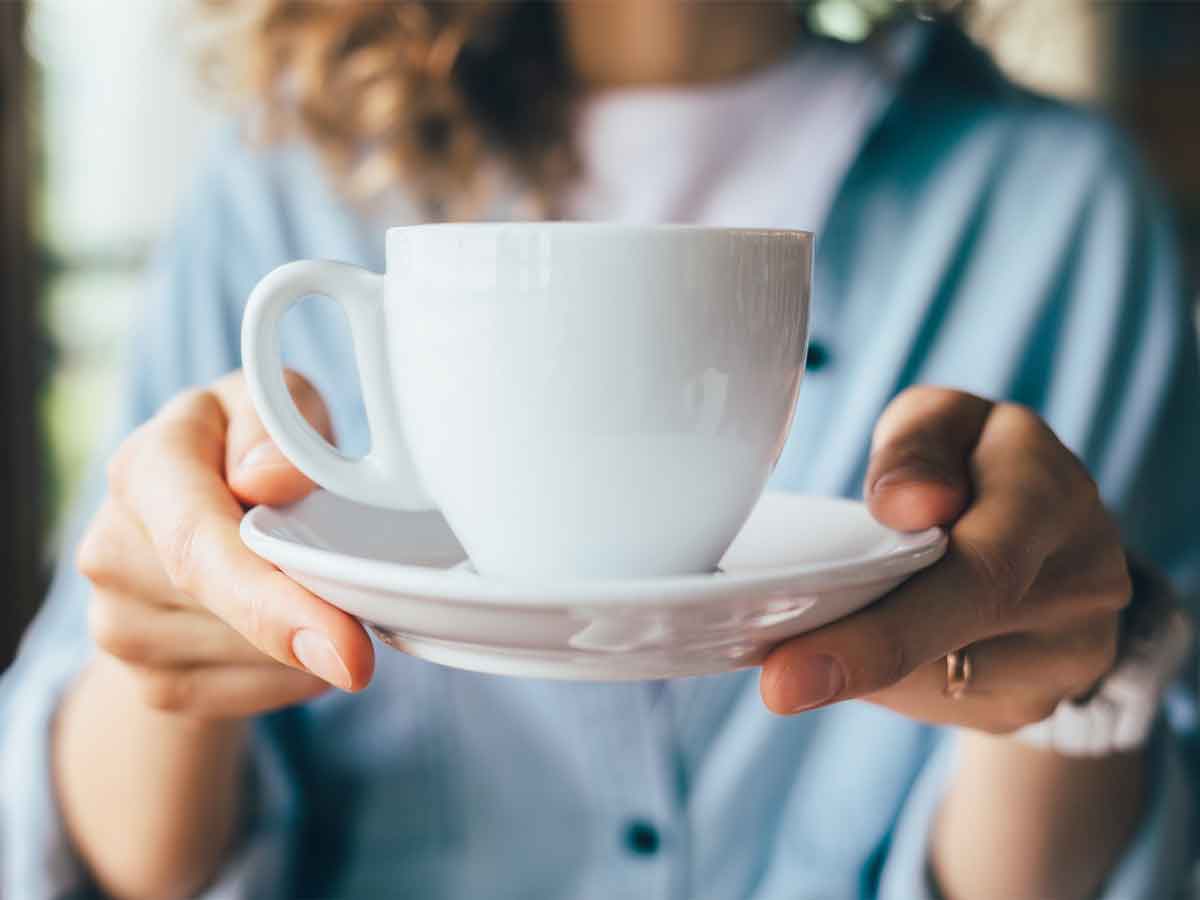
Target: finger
918 475
977 591
1082 579
116 555
162 637
256 469
1015 680
170 476
220 692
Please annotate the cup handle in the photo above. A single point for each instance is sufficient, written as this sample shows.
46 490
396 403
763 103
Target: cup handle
386 475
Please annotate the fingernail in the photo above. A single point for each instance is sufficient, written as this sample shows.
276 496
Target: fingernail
914 472
261 455
315 652
813 680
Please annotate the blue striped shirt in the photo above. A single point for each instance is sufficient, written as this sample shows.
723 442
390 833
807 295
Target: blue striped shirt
984 239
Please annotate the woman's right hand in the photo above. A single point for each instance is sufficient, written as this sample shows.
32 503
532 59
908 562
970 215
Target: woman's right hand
203 626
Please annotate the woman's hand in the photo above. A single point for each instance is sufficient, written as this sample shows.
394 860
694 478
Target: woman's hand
1033 581
195 634
204 626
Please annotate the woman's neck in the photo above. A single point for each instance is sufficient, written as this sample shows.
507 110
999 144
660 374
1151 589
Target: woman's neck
615 43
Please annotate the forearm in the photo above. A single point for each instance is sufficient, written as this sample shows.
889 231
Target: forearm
1024 823
151 799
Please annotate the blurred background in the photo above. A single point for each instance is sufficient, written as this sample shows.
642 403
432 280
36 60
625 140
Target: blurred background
104 121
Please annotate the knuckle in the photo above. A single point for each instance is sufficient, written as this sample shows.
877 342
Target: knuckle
884 661
203 418
178 556
1022 423
1049 486
1080 494
93 557
1000 570
919 395
233 384
255 627
931 394
187 403
252 618
893 662
169 690
259 619
911 398
1052 475
109 629
194 415
912 401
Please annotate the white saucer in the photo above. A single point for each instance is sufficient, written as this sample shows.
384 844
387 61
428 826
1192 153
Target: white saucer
798 563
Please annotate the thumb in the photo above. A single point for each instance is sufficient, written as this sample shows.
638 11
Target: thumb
255 468
919 473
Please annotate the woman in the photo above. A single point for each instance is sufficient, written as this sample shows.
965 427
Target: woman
972 236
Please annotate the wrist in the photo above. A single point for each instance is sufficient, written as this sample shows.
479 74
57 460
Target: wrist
1117 715
108 683
179 781
1017 821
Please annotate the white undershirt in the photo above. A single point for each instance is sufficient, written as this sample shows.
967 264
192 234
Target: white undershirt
767 150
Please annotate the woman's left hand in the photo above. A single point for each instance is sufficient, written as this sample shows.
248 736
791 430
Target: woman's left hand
1033 582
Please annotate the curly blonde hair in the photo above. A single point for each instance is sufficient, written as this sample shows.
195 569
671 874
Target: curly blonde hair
433 93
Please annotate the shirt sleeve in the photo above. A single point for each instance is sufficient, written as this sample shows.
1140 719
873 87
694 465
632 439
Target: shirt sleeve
1124 388
187 335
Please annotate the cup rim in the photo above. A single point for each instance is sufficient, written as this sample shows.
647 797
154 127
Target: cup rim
612 227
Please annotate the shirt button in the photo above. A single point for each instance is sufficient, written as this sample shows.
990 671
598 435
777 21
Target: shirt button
818 357
641 838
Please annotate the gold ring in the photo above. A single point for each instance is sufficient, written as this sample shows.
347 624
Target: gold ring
958 673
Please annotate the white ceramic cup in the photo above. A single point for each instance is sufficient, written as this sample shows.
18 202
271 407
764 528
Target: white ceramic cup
578 400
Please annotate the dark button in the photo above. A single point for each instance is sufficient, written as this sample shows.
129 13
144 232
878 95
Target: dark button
642 838
818 357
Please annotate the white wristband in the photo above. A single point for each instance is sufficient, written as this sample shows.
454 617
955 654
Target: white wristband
1119 714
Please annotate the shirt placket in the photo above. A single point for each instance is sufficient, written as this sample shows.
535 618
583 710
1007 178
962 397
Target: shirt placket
626 738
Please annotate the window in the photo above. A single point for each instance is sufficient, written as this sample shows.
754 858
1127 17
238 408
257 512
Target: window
123 121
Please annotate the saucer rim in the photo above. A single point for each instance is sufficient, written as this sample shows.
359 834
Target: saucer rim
915 551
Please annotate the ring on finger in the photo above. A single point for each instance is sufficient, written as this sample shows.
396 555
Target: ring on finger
959 672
